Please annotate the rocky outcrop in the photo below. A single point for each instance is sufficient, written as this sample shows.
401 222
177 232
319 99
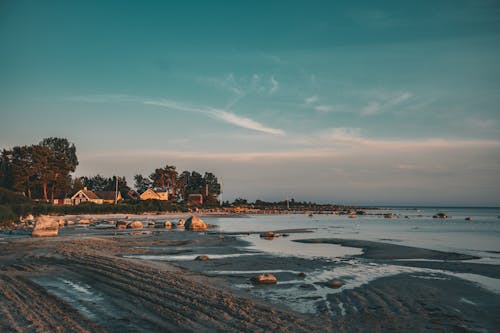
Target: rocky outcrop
264 279
135 225
194 223
335 284
46 226
269 235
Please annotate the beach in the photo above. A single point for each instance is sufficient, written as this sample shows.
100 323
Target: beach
90 279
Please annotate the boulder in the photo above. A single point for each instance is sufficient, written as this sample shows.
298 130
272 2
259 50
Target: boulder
468 218
202 258
388 215
264 279
301 275
62 223
194 223
151 224
269 235
135 225
121 224
440 216
180 223
167 224
335 284
84 221
46 226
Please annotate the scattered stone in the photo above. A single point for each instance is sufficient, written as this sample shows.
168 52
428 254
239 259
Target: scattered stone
221 236
69 222
285 235
135 225
264 279
151 224
46 226
468 218
180 223
84 221
61 222
194 223
440 216
388 215
202 258
301 275
335 284
269 235
121 224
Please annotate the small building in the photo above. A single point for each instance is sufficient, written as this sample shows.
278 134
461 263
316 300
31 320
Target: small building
150 194
109 196
85 196
195 199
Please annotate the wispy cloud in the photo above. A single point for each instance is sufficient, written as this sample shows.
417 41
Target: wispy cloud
219 114
383 103
312 99
325 108
215 113
274 85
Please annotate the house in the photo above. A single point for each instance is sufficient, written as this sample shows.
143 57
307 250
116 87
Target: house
85 196
196 199
150 194
109 196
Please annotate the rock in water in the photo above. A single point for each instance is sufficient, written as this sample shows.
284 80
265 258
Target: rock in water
46 226
264 279
180 223
135 225
194 223
202 258
335 284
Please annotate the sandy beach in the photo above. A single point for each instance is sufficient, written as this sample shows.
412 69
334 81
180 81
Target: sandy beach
105 280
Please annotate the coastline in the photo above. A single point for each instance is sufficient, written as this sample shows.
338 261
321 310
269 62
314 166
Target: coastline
97 280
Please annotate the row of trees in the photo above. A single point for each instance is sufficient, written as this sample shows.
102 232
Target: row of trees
41 170
179 186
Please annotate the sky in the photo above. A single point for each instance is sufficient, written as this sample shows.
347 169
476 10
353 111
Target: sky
365 102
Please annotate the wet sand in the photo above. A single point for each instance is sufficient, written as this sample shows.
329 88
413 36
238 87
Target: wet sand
92 281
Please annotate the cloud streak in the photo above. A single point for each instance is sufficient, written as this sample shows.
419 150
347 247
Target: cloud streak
219 114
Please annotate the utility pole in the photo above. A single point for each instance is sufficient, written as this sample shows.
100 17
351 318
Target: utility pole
116 190
221 192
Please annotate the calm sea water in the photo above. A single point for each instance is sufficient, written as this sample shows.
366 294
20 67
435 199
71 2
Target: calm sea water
480 236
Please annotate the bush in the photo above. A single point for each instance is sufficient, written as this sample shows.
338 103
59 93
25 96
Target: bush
7 216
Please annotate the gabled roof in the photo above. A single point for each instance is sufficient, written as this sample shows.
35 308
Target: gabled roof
151 192
89 194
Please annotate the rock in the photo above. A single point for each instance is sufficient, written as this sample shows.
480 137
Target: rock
194 223
285 235
121 224
69 222
301 275
269 235
151 224
335 284
180 223
264 279
135 225
388 215
440 216
360 212
167 224
352 216
202 258
46 226
61 222
84 221
468 218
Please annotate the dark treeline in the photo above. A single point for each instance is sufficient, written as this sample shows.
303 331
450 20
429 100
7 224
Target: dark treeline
41 170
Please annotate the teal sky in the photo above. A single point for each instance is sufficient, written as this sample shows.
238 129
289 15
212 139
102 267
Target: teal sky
374 102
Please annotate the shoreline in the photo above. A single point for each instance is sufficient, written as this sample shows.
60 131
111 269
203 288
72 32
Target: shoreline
96 280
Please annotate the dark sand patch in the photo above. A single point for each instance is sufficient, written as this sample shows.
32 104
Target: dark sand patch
379 250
